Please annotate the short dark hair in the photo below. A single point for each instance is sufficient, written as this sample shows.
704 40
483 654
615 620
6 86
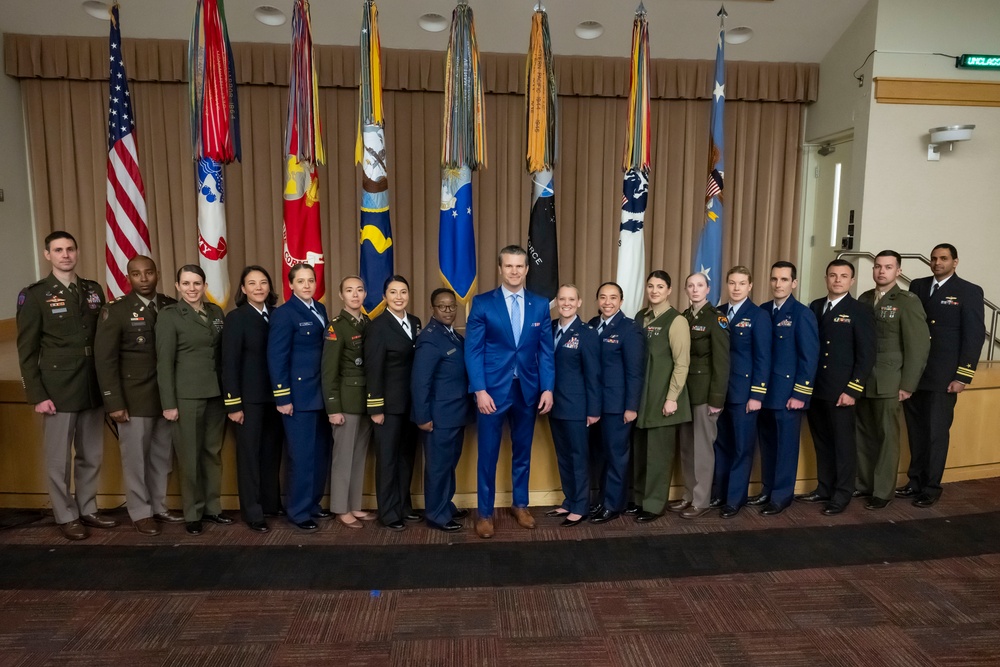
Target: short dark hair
240 298
59 234
394 279
786 265
621 292
295 268
511 250
659 273
839 262
351 277
191 268
891 253
442 290
943 246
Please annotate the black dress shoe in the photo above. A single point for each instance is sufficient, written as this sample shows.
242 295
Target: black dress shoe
860 494
596 509
906 492
875 503
759 499
193 527
925 500
460 513
633 509
220 519
604 516
716 503
772 509
396 525
258 526
323 514
569 523
729 511
647 517
274 515
833 508
308 524
559 511
449 527
812 497
414 517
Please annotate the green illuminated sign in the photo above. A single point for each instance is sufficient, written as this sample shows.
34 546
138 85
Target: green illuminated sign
977 61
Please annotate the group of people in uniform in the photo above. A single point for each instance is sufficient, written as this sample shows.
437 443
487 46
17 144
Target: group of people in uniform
626 398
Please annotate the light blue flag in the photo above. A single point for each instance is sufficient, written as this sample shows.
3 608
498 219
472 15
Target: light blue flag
457 236
708 258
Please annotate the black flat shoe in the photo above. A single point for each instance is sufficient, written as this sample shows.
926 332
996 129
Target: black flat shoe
308 524
556 512
323 514
396 525
258 526
569 523
460 513
193 527
414 517
647 517
449 527
220 519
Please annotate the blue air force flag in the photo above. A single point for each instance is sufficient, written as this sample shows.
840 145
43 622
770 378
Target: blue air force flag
708 258
457 236
631 243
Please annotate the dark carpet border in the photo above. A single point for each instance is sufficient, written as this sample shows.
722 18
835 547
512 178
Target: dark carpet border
206 568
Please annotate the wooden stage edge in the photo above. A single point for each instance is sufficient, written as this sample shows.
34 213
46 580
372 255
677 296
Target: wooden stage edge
973 453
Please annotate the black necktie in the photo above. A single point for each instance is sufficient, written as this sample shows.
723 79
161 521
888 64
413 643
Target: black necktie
600 329
267 320
152 307
829 307
75 291
406 329
933 289
732 311
559 333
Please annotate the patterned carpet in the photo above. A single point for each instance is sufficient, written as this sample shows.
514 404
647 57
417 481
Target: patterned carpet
916 606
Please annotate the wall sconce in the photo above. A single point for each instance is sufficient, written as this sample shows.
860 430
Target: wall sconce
948 134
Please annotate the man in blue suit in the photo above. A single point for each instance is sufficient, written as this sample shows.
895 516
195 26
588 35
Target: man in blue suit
509 358
439 390
794 357
749 368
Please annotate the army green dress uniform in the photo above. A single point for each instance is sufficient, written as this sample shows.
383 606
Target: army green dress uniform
902 341
707 381
56 324
668 357
188 368
125 352
344 393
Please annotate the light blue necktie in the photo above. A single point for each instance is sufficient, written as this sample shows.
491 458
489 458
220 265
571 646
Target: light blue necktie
515 318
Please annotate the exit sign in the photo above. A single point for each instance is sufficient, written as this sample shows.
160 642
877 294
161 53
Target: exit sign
978 61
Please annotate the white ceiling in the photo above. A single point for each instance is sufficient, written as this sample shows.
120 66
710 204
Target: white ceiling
784 30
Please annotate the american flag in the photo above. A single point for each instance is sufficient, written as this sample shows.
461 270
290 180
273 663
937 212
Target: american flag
125 213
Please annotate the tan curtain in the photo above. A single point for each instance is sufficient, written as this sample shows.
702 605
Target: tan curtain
65 96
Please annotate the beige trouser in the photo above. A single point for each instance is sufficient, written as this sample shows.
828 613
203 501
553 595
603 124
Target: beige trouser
65 431
697 440
347 467
144 443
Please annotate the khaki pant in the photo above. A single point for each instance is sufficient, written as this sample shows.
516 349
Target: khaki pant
347 467
697 445
144 443
64 432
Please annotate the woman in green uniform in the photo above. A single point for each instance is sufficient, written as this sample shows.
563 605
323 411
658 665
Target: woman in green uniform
188 367
664 403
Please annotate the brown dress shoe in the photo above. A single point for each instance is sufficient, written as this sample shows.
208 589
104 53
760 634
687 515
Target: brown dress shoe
484 528
167 516
679 505
73 530
694 512
523 516
146 526
95 520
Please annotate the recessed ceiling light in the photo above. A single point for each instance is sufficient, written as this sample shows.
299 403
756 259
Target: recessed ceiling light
269 15
433 22
99 10
589 30
738 35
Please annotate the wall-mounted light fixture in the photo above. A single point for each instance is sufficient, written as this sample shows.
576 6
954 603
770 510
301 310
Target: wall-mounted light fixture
948 134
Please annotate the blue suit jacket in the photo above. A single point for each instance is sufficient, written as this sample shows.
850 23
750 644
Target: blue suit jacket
295 353
749 353
623 363
439 385
794 353
491 355
578 373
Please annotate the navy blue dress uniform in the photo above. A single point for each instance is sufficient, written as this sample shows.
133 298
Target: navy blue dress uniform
577 395
246 387
440 389
794 356
388 365
623 367
749 370
294 353
955 317
847 355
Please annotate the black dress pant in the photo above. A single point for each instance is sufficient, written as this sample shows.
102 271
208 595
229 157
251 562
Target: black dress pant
832 431
395 453
928 421
259 441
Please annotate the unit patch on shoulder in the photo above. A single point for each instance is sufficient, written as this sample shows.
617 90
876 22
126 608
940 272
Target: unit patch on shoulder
331 334
723 321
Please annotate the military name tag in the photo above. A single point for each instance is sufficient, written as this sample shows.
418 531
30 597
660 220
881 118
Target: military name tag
58 310
452 351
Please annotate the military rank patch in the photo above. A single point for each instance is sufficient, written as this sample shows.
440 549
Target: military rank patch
330 333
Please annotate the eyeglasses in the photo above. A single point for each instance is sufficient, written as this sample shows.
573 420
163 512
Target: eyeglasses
446 309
